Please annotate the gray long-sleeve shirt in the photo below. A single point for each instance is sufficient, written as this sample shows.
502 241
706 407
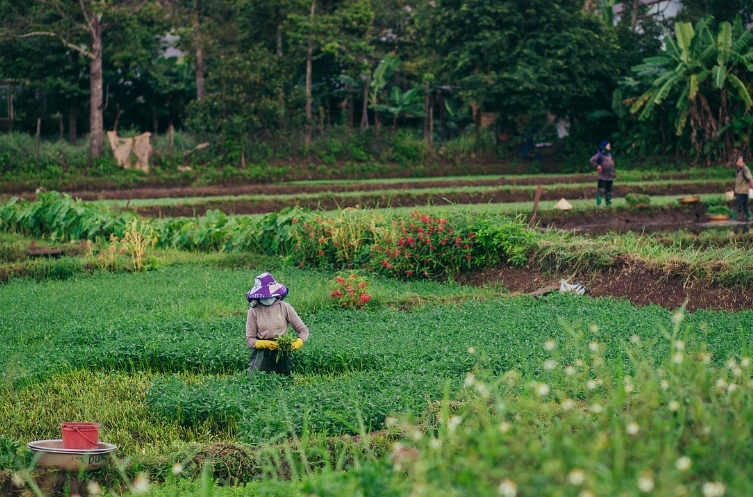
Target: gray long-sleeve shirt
269 322
606 162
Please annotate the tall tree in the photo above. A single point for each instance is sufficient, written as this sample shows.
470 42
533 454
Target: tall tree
524 57
80 27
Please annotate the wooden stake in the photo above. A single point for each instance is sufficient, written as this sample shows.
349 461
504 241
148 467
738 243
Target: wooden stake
536 199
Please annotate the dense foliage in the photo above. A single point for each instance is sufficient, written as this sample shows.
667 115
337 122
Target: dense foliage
259 80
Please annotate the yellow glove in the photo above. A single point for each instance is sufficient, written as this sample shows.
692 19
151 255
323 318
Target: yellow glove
297 344
266 344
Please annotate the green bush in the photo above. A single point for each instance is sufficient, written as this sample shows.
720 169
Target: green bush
722 210
634 199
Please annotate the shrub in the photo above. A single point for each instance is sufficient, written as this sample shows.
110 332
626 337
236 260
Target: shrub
634 199
349 291
722 210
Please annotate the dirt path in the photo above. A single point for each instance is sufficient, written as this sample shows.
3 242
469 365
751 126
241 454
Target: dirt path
639 285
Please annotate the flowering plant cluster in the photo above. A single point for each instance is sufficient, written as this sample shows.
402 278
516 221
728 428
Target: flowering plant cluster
350 291
419 246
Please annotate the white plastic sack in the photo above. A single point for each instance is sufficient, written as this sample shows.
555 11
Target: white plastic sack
575 288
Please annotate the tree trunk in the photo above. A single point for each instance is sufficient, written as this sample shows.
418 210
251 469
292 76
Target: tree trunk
72 119
309 67
95 78
634 17
199 54
365 111
426 111
61 126
278 33
442 118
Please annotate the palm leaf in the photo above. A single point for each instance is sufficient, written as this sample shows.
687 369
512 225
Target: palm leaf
741 90
684 33
692 89
719 74
724 44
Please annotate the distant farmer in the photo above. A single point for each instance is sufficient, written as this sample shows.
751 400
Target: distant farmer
604 164
743 184
268 318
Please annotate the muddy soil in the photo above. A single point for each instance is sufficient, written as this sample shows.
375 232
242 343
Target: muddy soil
638 284
407 199
280 189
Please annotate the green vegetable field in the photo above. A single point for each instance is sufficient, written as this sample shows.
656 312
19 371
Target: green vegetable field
184 327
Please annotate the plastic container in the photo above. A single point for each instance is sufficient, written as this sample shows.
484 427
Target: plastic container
80 436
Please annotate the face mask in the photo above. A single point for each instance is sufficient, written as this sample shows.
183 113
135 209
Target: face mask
268 301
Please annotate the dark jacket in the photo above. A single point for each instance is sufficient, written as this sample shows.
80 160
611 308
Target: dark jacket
606 161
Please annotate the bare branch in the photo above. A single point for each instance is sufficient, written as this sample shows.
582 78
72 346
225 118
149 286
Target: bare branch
65 42
83 11
56 6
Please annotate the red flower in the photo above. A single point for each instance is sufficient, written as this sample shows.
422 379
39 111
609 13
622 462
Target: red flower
321 240
411 240
364 298
352 276
408 273
300 265
336 294
362 285
442 222
340 280
386 264
468 256
321 252
295 220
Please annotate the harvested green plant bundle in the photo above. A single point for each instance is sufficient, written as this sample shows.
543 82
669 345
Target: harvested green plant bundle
284 345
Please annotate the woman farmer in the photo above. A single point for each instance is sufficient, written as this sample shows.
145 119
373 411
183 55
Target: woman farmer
267 319
604 164
743 184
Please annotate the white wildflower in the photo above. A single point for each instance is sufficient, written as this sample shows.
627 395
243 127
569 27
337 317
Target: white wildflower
416 434
481 389
737 372
683 463
470 379
731 363
704 357
504 427
596 408
454 423
745 362
569 371
567 404
713 489
645 482
93 488
677 357
542 389
594 328
673 405
550 364
731 388
593 346
550 345
507 488
721 383
471 349
635 339
435 443
390 421
177 468
679 345
576 477
141 484
586 493
633 428
678 317
579 363
664 385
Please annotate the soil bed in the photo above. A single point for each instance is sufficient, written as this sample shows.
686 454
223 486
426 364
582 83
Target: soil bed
264 205
638 284
287 189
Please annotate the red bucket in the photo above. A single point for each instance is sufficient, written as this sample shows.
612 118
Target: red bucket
80 436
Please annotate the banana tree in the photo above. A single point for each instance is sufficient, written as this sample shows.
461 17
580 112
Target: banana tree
402 104
378 81
704 75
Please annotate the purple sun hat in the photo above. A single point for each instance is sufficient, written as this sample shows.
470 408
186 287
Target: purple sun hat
266 287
